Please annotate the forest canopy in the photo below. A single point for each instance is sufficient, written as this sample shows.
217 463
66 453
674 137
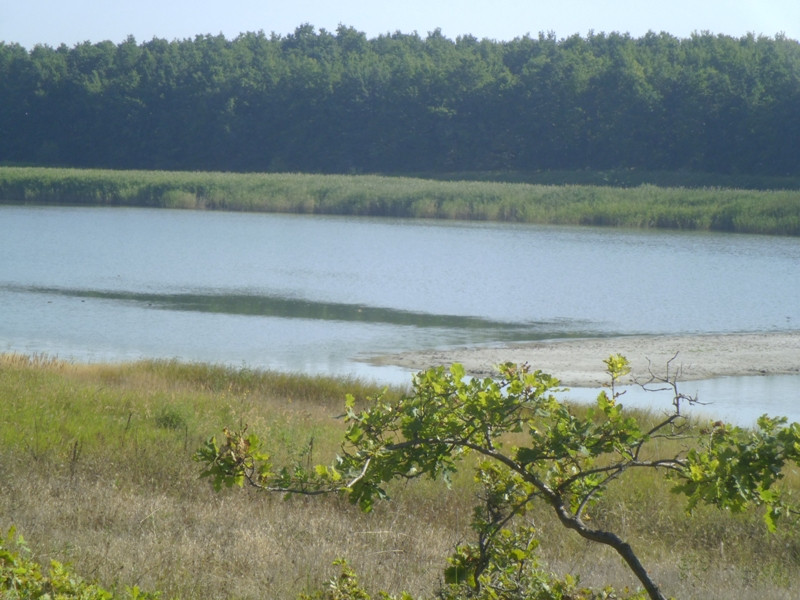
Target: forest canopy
324 101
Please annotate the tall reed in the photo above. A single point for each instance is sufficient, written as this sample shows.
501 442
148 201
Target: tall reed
775 212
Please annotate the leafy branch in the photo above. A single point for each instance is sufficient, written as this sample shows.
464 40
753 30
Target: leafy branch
530 447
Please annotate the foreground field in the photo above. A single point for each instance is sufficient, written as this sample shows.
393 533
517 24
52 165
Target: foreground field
96 467
731 209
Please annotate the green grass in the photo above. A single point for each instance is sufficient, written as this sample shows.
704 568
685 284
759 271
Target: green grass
96 471
644 205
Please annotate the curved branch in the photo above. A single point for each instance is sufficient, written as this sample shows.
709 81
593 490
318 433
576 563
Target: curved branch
674 464
568 519
607 538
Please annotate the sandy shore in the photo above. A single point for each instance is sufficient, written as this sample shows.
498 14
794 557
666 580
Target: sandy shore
579 363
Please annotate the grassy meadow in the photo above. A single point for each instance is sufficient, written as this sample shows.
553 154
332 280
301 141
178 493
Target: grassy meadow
96 470
622 201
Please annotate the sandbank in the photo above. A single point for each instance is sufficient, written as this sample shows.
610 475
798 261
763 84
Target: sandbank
579 362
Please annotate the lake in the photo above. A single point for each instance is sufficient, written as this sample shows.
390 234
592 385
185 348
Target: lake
319 294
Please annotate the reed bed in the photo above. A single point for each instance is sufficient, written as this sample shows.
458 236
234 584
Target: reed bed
775 212
96 470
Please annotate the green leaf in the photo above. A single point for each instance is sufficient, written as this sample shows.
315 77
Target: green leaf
768 496
456 574
518 554
527 455
355 434
457 371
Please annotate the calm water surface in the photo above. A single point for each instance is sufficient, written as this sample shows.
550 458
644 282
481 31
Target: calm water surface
318 294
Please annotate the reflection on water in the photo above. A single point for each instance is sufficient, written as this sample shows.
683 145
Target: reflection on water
289 308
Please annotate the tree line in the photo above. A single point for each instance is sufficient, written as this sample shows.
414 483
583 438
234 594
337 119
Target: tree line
324 101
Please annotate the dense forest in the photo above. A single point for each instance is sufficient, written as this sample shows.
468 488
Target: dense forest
338 101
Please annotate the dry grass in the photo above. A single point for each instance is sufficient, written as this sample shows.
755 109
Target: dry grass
193 543
96 470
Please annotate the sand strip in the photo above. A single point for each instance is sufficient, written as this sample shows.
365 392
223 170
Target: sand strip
579 362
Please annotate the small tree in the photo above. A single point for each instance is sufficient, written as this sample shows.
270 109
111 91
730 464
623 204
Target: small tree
568 459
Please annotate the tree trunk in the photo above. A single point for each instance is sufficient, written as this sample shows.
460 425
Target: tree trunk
609 539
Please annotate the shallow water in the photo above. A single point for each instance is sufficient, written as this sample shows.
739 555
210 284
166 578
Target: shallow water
317 294
739 400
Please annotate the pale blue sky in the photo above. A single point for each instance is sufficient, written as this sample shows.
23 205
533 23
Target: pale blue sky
52 22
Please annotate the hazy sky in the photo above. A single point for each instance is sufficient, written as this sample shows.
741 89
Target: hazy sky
52 22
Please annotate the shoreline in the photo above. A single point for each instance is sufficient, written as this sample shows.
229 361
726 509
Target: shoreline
579 362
